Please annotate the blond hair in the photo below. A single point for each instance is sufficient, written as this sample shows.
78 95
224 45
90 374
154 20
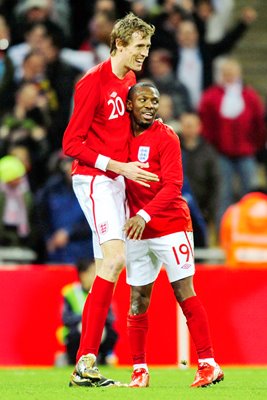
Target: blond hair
125 27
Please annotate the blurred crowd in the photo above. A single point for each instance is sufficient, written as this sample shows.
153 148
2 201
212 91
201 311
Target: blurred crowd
47 45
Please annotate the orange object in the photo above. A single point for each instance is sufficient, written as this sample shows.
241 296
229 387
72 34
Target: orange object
243 232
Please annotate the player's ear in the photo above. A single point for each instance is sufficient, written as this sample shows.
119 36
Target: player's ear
129 105
119 44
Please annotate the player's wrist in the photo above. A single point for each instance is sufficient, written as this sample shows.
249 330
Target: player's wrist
142 213
102 162
115 166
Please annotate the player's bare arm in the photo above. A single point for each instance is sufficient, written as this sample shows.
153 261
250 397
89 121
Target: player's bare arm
133 171
134 227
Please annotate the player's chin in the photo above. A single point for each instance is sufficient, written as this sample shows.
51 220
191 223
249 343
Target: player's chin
137 67
145 124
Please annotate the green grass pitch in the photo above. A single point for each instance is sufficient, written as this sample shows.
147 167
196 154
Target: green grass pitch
166 383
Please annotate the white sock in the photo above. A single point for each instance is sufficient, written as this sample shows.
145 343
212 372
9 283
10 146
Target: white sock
137 366
209 361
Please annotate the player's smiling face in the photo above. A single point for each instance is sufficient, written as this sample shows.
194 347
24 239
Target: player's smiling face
136 51
144 106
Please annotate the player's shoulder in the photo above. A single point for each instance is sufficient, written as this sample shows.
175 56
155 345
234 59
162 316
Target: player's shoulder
165 130
93 75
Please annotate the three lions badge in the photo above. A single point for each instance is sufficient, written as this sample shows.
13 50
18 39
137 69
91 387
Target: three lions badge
143 153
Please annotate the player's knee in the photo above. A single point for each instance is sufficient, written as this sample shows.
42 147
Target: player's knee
139 303
179 295
182 293
183 289
111 267
119 262
116 265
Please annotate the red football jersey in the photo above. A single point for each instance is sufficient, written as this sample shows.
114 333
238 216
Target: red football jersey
99 123
163 201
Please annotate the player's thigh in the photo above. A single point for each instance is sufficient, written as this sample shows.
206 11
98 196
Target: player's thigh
175 251
112 248
142 266
103 202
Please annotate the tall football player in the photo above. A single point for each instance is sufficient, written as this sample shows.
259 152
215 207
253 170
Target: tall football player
97 138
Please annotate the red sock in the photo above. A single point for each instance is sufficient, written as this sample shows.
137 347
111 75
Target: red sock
95 311
137 328
198 325
84 325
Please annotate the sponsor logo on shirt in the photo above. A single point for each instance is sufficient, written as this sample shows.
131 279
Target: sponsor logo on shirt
143 153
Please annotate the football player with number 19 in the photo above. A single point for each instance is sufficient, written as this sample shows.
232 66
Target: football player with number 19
159 231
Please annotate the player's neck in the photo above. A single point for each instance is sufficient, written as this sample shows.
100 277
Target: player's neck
118 67
138 129
138 133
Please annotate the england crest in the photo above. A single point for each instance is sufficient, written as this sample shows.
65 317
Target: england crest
143 153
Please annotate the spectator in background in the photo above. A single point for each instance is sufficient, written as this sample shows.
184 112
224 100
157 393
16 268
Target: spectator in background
34 71
82 12
102 6
74 295
66 235
167 22
97 42
166 111
17 221
144 9
33 35
60 14
160 71
200 165
35 176
25 125
213 18
35 11
218 16
61 77
33 67
232 115
243 231
6 69
195 57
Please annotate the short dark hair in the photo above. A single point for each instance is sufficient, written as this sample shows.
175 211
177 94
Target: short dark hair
135 87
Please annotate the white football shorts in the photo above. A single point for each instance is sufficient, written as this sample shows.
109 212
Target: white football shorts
144 258
102 200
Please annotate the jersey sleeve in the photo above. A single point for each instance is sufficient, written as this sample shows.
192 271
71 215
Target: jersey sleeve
171 175
86 100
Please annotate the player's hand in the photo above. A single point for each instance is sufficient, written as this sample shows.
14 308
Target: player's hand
135 171
134 227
